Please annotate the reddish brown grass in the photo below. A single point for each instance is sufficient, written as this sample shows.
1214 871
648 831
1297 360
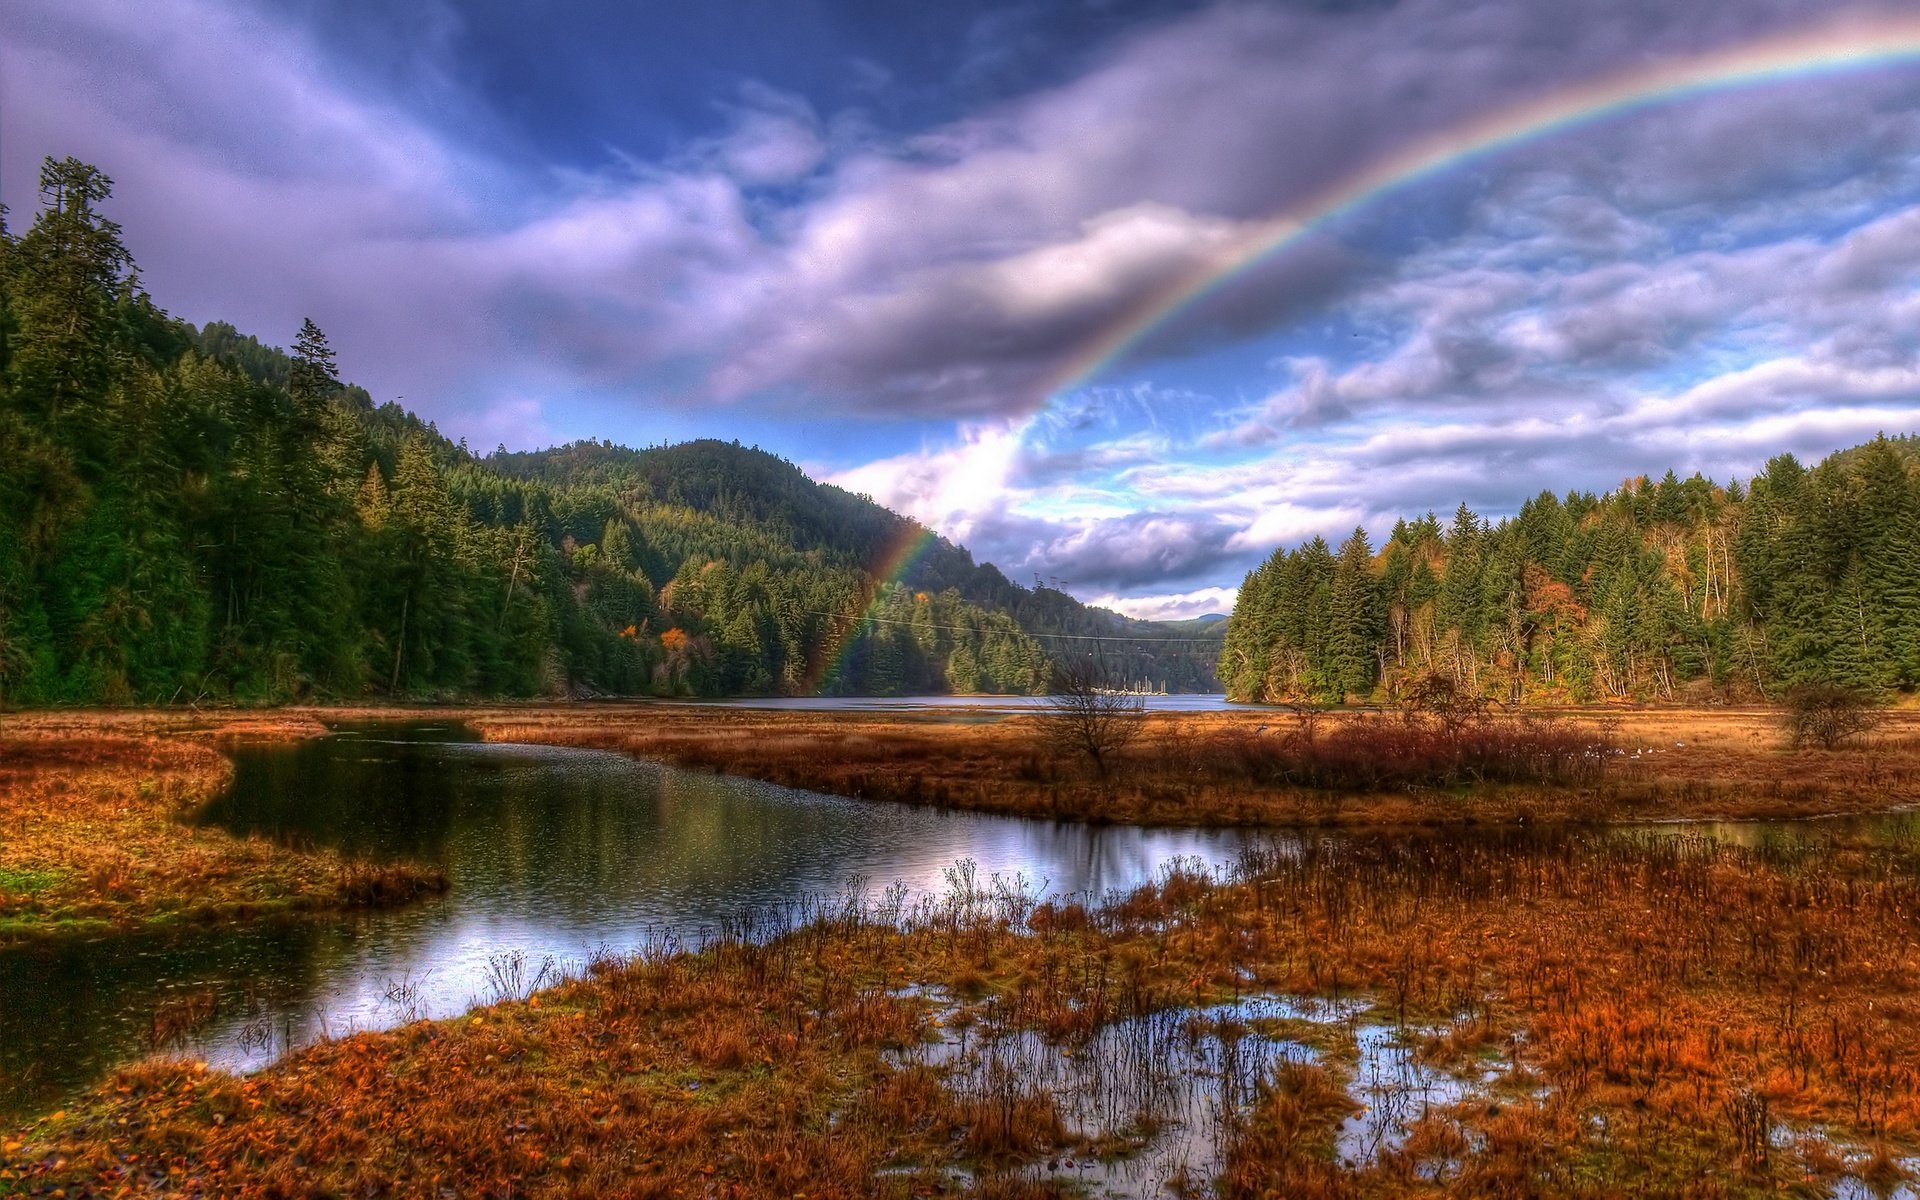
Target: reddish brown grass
1664 998
95 829
1265 768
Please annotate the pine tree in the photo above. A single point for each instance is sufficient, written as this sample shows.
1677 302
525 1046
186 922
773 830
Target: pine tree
1353 634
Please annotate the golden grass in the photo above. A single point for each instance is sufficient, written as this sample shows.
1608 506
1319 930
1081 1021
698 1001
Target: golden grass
1685 1018
1189 768
95 829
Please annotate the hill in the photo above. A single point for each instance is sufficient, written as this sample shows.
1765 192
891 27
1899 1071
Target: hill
750 488
189 513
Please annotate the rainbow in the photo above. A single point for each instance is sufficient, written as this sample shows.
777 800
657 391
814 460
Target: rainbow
1834 49
1845 47
843 633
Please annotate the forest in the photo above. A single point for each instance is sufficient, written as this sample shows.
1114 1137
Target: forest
1680 589
191 515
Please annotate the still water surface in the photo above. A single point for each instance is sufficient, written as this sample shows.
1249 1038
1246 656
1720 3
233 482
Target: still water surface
966 705
550 852
557 853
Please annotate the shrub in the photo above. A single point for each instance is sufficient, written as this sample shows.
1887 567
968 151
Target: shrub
1828 714
1085 715
1377 754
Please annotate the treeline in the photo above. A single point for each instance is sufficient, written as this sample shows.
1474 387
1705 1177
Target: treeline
189 514
1675 589
751 489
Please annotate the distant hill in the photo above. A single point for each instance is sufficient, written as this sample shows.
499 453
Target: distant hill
192 514
751 488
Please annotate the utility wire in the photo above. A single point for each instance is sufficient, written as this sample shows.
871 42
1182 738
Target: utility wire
1077 637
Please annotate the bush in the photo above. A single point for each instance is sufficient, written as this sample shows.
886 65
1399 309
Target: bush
1086 715
1381 754
1828 714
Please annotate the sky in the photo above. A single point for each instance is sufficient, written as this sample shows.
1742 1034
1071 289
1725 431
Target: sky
920 249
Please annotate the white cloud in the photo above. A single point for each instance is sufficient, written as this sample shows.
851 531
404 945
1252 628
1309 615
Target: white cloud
1174 606
948 489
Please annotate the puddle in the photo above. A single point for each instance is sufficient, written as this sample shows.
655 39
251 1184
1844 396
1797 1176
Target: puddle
1395 1091
1850 1187
1856 1163
1148 1101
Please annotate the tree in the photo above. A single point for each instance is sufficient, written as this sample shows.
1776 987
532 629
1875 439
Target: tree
313 376
1085 715
64 278
1353 634
1828 714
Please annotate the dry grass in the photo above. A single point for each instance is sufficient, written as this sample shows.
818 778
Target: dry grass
1682 1014
95 829
1249 769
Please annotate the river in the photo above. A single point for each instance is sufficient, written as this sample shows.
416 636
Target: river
554 855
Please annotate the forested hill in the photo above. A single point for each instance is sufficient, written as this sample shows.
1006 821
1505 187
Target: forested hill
751 488
1680 588
191 514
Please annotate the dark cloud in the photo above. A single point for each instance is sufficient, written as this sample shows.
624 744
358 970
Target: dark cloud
955 274
947 233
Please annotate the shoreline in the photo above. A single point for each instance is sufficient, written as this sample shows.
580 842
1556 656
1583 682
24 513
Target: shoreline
98 830
1585 1012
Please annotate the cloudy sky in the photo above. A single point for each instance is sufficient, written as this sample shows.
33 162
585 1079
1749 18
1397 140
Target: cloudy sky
886 239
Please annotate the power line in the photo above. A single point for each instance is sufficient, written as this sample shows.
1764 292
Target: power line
1076 637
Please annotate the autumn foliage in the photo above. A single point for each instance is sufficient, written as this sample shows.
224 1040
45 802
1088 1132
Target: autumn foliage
1669 1015
96 830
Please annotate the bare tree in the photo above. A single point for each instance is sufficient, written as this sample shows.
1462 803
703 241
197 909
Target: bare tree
1828 714
1086 715
1435 697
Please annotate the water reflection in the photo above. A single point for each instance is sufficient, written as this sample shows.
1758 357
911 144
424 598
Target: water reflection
551 852
961 706
562 853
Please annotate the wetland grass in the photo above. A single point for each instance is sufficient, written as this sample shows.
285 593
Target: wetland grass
1571 1013
97 830
1273 767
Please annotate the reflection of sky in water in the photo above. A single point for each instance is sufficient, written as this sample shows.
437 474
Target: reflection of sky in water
551 852
959 705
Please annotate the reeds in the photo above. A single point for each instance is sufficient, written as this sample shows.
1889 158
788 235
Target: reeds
1662 1012
96 830
1376 753
1266 768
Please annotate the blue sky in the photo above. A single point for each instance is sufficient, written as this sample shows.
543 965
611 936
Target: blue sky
872 236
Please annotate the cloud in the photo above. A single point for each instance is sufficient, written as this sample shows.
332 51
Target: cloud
999 489
1674 286
947 489
776 139
1174 606
1597 332
956 271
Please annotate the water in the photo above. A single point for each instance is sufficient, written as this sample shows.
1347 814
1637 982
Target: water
552 853
965 705
1169 1086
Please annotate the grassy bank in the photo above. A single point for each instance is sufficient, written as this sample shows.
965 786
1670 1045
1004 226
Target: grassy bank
96 829
1578 1014
1250 768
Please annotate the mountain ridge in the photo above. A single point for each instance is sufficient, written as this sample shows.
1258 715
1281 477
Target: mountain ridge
194 515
